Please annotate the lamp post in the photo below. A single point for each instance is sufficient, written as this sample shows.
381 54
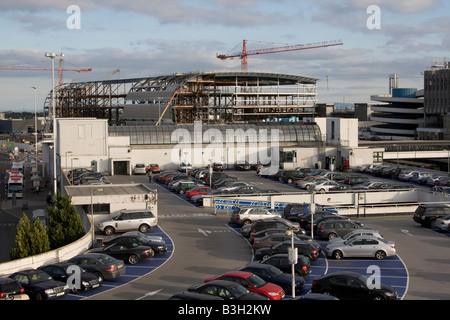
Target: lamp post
71 168
35 126
52 56
293 258
92 214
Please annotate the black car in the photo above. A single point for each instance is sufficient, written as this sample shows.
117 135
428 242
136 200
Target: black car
227 290
274 275
217 166
426 214
130 239
39 285
305 219
281 261
347 285
10 289
270 223
102 265
59 271
289 176
242 166
132 255
187 295
293 210
304 248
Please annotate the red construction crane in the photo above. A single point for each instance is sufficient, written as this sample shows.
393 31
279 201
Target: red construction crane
245 53
59 69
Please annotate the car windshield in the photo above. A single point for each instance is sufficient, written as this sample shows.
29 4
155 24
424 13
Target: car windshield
39 276
274 272
256 281
238 291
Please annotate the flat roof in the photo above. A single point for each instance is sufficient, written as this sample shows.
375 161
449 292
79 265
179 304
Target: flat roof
108 190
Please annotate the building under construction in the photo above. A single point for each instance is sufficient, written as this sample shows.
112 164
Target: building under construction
209 97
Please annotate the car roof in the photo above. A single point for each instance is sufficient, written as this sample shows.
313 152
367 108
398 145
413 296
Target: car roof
237 273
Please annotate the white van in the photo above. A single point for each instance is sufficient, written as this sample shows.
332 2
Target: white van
129 220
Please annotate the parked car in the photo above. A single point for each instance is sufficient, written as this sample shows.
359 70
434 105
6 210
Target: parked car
336 228
273 274
304 184
242 166
11 289
361 247
58 271
304 248
93 181
293 210
102 265
233 185
426 214
289 176
245 190
279 223
227 290
319 219
153 168
76 172
248 215
253 283
347 285
133 238
281 261
439 189
184 167
185 186
198 190
323 186
187 295
355 179
128 220
76 180
216 166
130 252
356 233
139 168
443 223
271 239
305 219
207 178
39 285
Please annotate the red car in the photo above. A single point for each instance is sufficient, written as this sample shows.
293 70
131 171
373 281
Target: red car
153 168
252 283
196 191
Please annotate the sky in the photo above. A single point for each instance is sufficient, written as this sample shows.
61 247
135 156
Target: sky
154 37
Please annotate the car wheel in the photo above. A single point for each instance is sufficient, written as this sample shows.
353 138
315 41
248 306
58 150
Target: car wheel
264 257
99 276
143 228
38 295
246 222
380 255
338 254
181 191
133 259
109 231
332 235
322 190
290 180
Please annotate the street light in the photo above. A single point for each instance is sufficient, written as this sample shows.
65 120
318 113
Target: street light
92 214
52 56
71 168
35 126
293 258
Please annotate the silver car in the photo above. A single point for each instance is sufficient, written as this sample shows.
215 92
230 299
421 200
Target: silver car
355 233
248 215
443 223
362 247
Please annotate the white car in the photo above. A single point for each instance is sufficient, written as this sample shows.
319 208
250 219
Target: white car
362 247
139 169
443 223
129 220
323 186
183 167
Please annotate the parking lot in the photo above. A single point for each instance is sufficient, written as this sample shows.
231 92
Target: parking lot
205 245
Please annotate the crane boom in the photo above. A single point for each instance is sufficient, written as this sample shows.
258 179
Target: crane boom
245 53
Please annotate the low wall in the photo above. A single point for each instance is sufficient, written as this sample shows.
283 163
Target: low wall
54 256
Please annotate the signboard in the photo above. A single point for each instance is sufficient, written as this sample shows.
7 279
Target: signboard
293 255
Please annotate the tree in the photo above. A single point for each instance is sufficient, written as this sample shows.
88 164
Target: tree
30 239
64 222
